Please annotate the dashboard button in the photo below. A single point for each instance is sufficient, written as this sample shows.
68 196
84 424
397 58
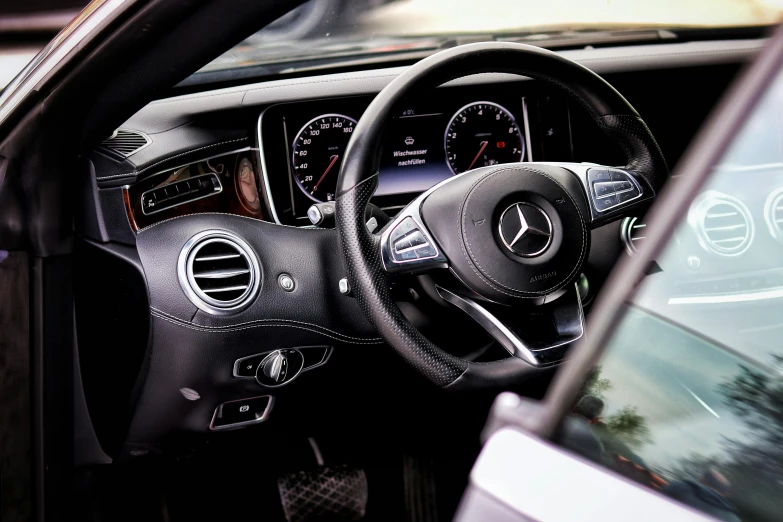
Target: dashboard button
408 255
603 189
619 175
416 239
240 412
402 244
622 186
606 203
425 251
246 367
596 175
407 225
628 195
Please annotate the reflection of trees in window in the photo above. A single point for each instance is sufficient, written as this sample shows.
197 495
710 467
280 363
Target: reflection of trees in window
754 465
622 434
596 385
629 427
626 426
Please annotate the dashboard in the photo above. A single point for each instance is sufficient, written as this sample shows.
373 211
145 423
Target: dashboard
431 139
234 160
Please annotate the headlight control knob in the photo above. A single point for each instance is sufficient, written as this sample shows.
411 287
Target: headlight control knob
279 367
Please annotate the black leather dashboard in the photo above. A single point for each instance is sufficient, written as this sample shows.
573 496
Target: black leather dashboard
673 86
192 127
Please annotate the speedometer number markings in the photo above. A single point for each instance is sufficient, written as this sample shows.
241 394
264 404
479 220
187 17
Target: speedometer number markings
317 153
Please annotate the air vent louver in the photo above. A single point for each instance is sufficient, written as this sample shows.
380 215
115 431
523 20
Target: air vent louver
723 223
632 232
218 272
773 213
126 142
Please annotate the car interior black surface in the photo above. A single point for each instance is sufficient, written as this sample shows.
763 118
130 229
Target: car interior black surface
200 280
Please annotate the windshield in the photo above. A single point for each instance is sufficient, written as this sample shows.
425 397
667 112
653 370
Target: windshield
323 32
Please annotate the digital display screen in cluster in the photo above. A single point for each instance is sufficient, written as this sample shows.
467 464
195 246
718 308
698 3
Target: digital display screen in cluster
413 157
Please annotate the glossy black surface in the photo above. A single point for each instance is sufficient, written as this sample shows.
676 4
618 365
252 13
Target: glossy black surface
483 134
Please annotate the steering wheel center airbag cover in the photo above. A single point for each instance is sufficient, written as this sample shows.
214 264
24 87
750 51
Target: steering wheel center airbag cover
511 232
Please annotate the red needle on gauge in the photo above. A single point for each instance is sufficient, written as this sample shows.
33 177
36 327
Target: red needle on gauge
483 146
331 164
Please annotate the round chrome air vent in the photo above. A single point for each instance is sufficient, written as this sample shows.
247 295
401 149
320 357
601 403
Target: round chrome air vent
722 223
218 272
773 214
632 232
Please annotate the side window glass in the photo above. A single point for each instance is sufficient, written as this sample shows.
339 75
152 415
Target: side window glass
688 397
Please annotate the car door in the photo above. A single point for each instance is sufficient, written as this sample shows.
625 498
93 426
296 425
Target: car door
672 408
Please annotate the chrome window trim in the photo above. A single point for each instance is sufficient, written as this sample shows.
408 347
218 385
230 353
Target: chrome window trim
88 24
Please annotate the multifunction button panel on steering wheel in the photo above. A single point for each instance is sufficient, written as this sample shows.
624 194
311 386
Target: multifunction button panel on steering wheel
610 188
408 243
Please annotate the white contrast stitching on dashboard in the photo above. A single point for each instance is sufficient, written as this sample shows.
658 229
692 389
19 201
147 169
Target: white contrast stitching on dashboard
137 172
281 324
232 326
126 175
232 215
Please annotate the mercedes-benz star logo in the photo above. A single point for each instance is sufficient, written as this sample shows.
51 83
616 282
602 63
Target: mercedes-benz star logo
525 229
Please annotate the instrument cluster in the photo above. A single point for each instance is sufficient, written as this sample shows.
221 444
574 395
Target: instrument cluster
479 134
431 139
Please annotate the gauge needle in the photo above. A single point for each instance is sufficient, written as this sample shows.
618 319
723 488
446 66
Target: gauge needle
483 146
331 164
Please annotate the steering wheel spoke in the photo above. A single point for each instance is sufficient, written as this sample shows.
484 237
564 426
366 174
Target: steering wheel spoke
612 192
566 317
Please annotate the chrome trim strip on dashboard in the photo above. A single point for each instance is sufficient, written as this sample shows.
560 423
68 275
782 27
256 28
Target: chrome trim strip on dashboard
744 297
95 17
265 177
526 121
726 167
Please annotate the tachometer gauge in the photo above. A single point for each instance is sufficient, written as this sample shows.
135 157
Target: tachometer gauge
482 134
319 148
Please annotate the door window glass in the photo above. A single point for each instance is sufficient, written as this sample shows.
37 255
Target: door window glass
688 397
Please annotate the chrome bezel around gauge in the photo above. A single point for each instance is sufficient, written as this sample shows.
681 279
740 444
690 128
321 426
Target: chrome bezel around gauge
335 168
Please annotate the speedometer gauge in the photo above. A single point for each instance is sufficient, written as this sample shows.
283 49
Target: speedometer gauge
319 148
482 134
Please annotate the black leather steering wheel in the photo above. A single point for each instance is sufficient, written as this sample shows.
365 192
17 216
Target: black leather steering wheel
513 235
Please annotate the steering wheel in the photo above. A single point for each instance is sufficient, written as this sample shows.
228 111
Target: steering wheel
514 236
